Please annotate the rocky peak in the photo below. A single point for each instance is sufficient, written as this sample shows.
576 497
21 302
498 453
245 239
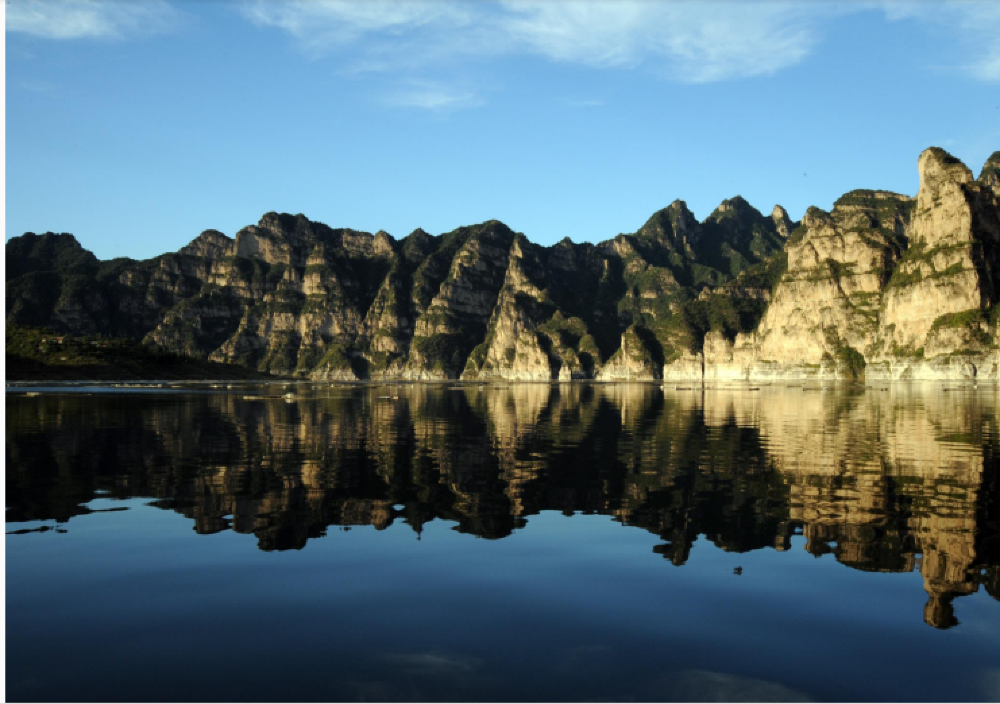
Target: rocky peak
46 252
736 235
735 216
868 208
682 218
497 227
944 209
990 175
863 197
680 207
383 243
280 238
815 217
419 239
940 174
352 243
674 224
782 223
292 228
210 243
276 223
417 245
736 206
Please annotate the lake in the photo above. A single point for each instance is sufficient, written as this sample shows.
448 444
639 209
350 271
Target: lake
503 543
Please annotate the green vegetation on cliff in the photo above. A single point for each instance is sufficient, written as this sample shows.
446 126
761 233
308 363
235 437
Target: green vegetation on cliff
40 354
208 300
294 296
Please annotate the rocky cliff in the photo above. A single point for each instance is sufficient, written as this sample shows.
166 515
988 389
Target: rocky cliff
884 285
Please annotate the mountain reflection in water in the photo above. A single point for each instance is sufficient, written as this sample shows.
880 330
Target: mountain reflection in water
886 480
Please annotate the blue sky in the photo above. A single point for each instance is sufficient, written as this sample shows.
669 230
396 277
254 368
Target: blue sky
136 125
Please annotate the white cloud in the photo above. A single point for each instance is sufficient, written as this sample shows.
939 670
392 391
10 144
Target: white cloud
686 41
979 25
682 40
88 19
594 33
433 96
988 67
323 24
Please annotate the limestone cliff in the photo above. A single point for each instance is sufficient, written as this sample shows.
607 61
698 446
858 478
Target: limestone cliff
937 303
883 285
990 174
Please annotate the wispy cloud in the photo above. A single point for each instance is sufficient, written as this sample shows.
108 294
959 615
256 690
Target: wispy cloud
36 86
978 26
88 19
686 41
433 96
322 25
974 25
681 40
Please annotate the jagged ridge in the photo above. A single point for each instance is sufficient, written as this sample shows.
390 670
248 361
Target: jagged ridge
884 284
292 296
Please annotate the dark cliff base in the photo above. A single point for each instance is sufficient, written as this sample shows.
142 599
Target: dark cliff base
21 369
35 354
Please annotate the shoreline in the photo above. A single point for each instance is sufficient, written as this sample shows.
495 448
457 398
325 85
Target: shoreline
132 385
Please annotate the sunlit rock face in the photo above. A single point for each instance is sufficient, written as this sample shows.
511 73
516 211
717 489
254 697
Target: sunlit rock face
829 297
989 176
883 286
294 297
945 280
782 223
635 359
889 481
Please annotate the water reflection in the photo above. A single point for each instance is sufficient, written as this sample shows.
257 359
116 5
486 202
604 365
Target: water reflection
884 480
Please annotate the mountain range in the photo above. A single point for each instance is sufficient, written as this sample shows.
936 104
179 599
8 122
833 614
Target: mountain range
884 286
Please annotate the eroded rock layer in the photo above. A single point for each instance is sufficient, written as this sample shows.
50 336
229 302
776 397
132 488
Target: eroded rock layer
884 285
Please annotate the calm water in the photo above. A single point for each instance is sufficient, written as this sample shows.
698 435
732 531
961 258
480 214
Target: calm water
574 542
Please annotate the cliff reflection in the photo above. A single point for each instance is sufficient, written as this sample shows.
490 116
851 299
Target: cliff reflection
887 481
